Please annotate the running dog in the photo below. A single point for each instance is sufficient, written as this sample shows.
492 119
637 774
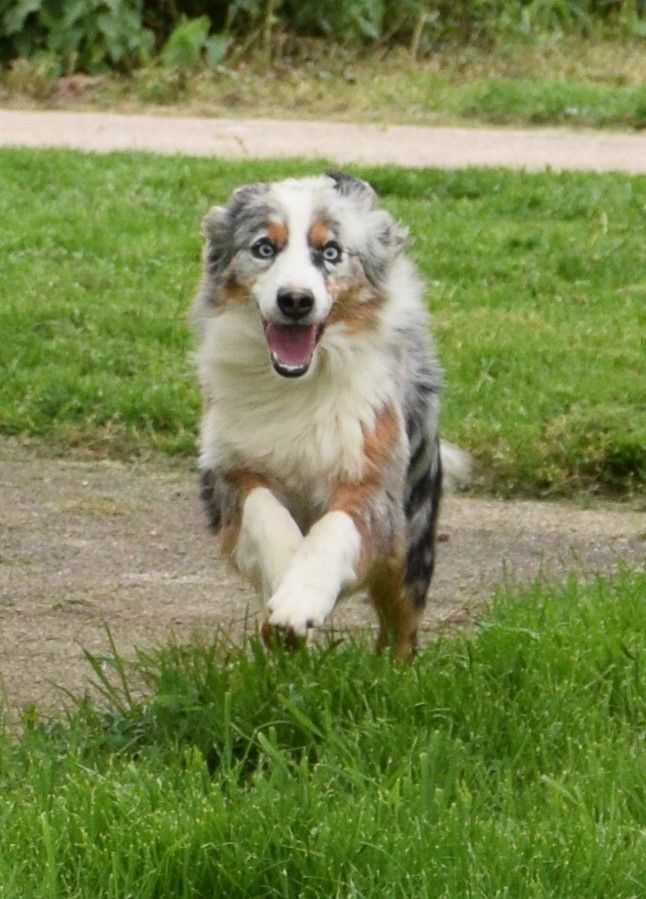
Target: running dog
320 457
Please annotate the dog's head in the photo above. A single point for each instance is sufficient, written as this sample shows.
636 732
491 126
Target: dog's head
308 253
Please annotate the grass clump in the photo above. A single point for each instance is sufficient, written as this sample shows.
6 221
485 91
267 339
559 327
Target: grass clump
505 763
534 280
554 102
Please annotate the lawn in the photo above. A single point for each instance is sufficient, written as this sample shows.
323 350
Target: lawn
507 763
536 284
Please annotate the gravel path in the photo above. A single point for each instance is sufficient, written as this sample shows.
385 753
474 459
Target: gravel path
557 148
83 543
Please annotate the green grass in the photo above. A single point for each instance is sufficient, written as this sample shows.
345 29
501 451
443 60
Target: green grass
551 103
536 283
505 764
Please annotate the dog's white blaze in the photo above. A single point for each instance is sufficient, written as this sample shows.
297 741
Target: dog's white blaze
293 266
322 568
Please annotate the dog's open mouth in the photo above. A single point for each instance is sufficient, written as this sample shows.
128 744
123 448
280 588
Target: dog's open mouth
291 347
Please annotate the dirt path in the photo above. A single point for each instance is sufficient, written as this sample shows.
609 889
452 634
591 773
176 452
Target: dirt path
560 149
83 543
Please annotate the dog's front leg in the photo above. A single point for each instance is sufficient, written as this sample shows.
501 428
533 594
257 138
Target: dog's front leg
326 563
267 541
362 523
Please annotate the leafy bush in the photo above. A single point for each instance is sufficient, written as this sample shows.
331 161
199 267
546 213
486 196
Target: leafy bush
189 43
86 35
462 20
90 35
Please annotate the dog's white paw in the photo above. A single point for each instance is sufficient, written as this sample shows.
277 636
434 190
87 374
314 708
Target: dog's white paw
323 566
300 604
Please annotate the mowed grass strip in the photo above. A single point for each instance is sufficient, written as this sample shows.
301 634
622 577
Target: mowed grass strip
507 763
536 283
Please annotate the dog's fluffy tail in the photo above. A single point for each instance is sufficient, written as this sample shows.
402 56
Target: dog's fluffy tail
457 466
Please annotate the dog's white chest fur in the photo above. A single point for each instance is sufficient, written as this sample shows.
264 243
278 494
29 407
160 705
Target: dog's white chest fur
307 434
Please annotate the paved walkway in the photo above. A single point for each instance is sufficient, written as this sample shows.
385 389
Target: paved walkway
533 150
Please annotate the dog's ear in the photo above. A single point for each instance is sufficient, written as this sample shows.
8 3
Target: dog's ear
385 240
220 223
386 237
244 196
350 186
394 235
217 227
213 221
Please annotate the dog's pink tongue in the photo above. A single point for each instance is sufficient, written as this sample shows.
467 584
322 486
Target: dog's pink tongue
291 345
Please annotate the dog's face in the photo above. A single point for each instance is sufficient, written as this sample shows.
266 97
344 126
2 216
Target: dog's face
307 253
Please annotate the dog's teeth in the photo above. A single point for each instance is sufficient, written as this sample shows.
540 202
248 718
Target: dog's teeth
288 370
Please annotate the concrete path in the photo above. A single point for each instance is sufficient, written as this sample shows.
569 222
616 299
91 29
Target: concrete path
555 148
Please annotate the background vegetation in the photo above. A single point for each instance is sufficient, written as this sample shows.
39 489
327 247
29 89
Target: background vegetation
507 763
92 35
535 283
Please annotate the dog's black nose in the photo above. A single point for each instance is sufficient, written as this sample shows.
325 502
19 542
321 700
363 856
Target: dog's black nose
295 304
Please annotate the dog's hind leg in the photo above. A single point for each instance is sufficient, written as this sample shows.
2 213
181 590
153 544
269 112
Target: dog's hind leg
398 588
399 614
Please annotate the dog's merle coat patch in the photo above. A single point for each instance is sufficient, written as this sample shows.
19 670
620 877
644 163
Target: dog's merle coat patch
218 497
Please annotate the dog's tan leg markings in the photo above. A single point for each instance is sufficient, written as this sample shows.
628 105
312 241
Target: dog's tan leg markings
267 540
243 482
340 549
277 636
398 615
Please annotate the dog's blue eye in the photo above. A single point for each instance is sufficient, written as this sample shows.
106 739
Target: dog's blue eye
263 249
331 252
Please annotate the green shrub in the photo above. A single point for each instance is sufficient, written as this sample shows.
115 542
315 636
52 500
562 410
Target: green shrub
90 35
86 35
189 44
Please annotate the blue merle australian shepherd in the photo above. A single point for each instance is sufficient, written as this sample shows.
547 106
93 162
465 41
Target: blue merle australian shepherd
320 456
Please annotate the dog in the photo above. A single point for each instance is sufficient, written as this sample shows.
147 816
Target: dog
320 456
